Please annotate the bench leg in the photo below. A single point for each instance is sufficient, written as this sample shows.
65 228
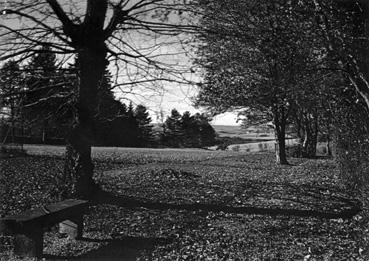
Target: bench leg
29 245
72 227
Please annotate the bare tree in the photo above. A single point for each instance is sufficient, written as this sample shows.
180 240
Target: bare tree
132 36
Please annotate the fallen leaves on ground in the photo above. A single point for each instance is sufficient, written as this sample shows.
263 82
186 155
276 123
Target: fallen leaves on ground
226 180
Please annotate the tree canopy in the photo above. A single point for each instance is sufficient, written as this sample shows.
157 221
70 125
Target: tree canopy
126 34
255 55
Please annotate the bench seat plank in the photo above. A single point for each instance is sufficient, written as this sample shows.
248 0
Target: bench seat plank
28 226
43 217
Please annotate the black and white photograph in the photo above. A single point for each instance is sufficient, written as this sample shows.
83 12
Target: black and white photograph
194 130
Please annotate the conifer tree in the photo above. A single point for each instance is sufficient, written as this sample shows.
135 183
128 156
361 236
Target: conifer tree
190 130
10 84
172 130
205 130
145 133
44 91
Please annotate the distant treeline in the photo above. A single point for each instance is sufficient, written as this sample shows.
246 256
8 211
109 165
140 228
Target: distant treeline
131 127
187 130
39 101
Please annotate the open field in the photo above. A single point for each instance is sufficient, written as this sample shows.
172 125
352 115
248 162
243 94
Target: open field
193 205
134 155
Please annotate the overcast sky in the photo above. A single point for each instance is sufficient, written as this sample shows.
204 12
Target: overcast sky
176 97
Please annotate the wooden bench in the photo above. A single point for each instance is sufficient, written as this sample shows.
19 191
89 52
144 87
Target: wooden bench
28 227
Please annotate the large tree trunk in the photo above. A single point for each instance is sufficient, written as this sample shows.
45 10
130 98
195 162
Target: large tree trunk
78 165
89 41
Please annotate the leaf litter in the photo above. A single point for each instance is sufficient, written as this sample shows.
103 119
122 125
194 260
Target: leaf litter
228 182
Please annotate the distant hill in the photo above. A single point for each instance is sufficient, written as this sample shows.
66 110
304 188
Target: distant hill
237 131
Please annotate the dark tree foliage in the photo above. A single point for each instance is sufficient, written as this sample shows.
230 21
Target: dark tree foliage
99 32
205 131
10 83
127 127
145 132
188 130
172 130
190 137
41 74
345 26
47 92
47 114
351 128
107 107
43 94
254 55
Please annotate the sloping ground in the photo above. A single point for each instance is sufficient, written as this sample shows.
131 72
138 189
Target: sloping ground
196 207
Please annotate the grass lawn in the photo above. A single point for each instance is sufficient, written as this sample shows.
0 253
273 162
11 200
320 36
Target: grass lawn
193 205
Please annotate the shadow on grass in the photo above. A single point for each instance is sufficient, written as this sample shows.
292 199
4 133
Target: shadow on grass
122 248
104 197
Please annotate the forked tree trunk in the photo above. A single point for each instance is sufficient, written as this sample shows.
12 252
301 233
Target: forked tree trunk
311 135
